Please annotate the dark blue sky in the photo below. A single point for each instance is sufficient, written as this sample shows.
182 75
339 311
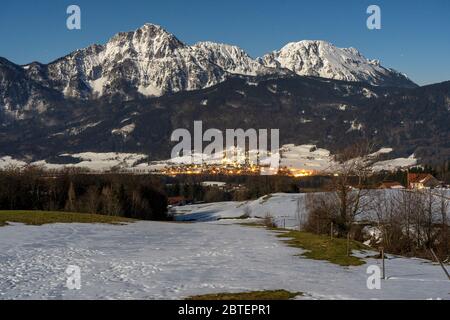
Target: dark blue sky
414 39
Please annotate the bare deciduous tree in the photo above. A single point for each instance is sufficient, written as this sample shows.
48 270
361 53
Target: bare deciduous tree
110 202
444 205
71 199
346 197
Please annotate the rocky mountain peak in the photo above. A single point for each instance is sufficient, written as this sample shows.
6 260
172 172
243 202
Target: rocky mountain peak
323 59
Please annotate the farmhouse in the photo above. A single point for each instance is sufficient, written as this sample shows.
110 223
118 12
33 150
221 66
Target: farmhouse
391 185
422 181
178 201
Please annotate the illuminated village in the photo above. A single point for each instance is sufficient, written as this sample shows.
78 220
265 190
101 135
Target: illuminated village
232 169
236 165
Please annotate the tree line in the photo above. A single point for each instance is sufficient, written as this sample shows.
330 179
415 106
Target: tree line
140 197
239 187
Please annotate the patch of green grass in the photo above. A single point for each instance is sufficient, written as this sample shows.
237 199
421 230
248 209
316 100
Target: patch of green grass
252 224
38 218
255 295
320 247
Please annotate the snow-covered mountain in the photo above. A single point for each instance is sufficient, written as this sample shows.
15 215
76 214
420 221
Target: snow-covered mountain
20 93
149 60
152 62
232 59
322 59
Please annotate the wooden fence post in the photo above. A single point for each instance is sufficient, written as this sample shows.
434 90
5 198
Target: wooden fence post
331 232
348 244
383 264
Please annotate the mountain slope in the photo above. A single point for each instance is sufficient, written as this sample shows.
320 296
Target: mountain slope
322 59
328 113
19 93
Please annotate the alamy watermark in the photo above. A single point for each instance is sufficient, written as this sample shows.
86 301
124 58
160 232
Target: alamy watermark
374 278
73 22
374 20
236 146
73 281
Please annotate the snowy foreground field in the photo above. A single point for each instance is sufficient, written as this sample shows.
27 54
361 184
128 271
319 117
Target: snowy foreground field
281 207
287 210
151 260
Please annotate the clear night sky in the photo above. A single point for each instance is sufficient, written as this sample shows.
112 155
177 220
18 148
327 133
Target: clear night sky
414 39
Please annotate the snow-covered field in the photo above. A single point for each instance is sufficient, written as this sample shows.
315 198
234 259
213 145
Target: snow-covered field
287 210
282 207
154 260
151 260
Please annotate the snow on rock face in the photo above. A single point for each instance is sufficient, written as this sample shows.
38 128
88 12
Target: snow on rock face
356 126
18 93
232 59
149 60
322 59
124 131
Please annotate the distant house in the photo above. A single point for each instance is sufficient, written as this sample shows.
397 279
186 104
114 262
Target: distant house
422 181
177 201
391 185
228 187
217 184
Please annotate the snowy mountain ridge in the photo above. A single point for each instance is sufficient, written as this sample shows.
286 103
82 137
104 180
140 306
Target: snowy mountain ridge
322 59
153 62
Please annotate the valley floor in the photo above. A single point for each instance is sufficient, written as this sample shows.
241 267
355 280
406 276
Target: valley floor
151 260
